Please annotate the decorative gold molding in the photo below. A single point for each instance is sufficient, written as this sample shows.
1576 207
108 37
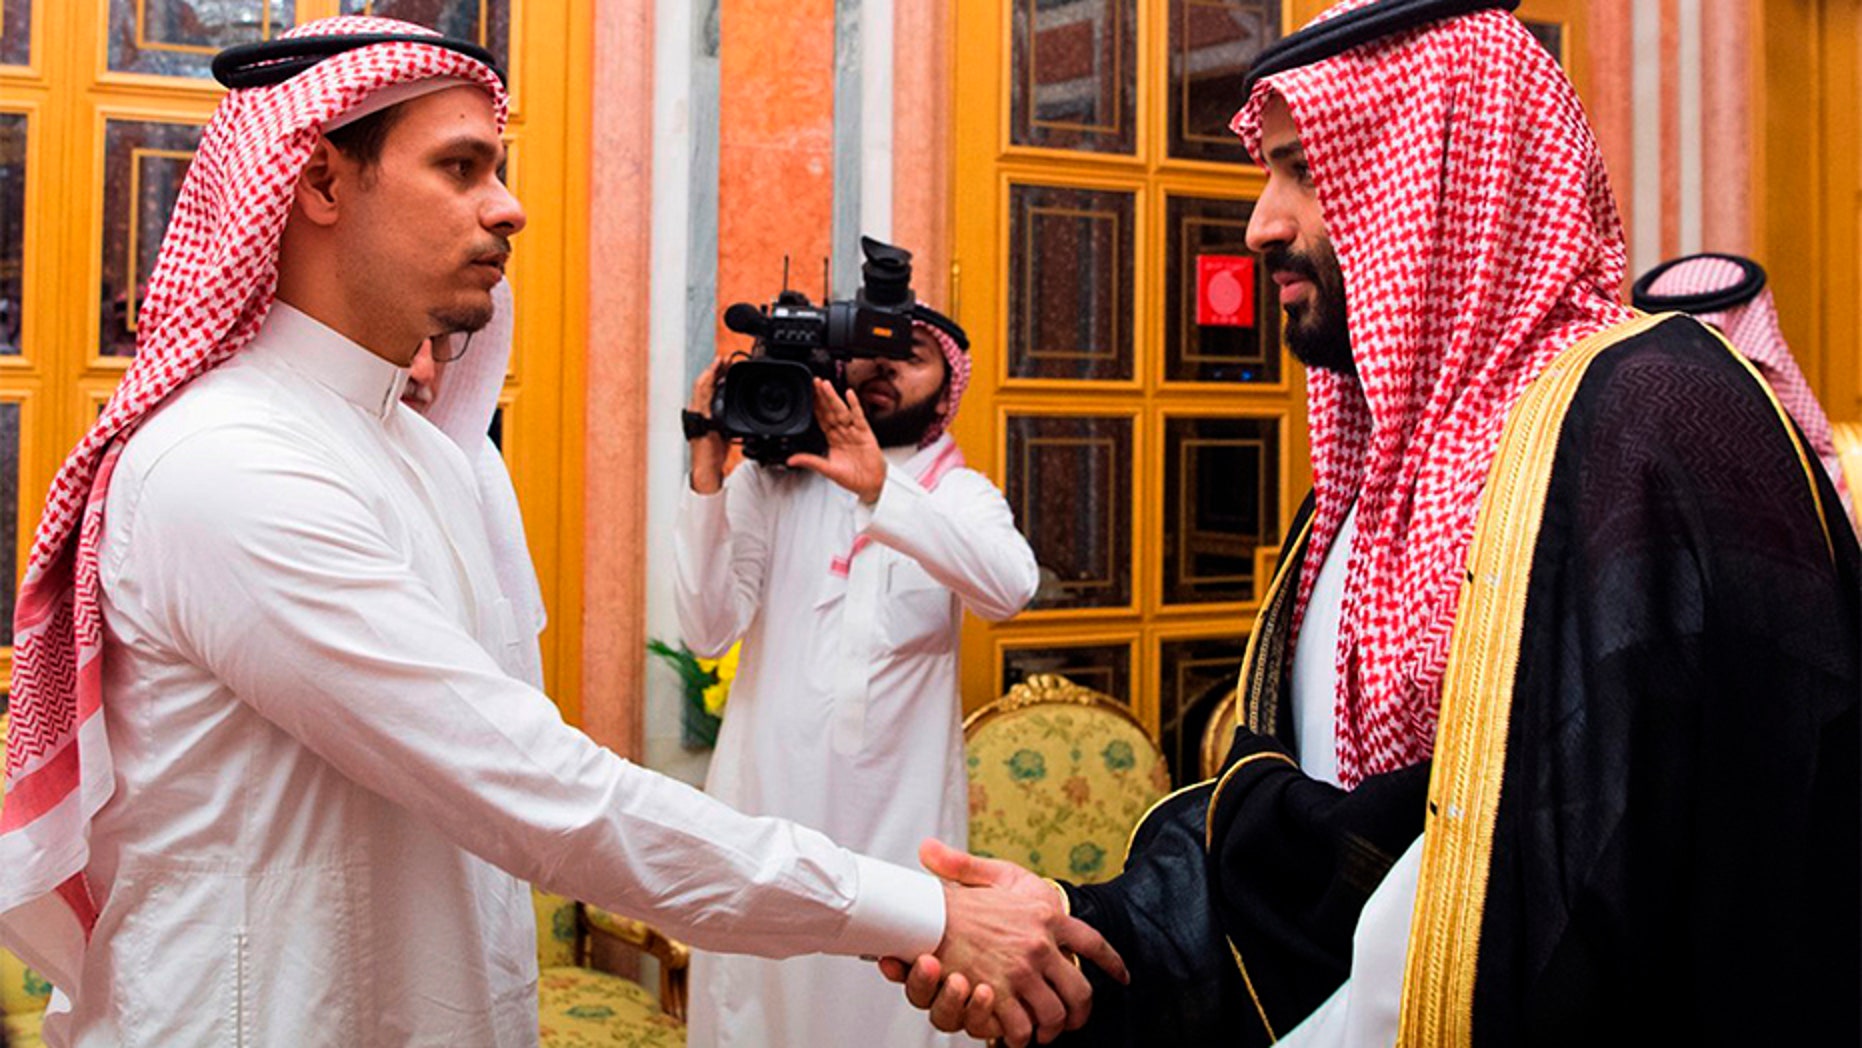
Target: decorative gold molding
1117 97
132 248
1117 661
1051 689
1182 55
145 43
1218 735
1188 446
1114 217
1109 446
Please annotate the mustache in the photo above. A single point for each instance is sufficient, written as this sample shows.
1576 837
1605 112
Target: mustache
497 247
1283 259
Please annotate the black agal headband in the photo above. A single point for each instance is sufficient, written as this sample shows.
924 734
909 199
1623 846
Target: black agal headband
271 62
1738 293
926 315
1374 21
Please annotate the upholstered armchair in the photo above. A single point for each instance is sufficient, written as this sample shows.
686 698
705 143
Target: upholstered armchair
1219 735
23 996
580 1003
1059 777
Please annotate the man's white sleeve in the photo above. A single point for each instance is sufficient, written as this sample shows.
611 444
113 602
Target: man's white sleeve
720 555
291 594
963 534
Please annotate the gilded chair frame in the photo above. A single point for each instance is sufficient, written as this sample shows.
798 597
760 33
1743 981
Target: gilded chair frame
1219 735
604 933
1043 689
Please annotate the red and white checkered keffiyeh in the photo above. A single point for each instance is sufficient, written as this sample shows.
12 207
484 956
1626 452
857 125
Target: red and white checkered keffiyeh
1752 328
959 360
211 288
1467 203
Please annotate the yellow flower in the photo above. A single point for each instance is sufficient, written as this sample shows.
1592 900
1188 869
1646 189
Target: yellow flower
725 669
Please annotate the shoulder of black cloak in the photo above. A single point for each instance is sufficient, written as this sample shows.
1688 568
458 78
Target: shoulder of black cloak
1676 851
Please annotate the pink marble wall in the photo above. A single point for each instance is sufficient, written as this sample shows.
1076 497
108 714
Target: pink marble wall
1727 84
921 145
775 147
1609 98
613 664
1669 130
1730 82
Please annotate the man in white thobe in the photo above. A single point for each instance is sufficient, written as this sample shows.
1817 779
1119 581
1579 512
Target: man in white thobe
845 585
275 777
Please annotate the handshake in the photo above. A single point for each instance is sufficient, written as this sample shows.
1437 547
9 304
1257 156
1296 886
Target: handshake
1008 966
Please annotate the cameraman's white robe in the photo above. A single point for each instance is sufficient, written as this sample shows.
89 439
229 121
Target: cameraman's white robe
844 715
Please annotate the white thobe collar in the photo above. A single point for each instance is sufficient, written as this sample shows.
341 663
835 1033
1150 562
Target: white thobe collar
318 352
904 455
1315 659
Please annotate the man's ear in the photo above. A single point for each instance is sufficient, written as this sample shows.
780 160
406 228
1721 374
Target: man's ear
319 188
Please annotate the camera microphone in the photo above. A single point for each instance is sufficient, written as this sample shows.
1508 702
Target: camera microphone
745 319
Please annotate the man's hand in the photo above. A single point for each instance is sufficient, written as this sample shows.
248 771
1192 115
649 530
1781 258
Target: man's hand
1007 935
709 450
854 460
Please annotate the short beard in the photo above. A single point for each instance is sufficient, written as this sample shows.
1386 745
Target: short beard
907 425
1317 332
461 319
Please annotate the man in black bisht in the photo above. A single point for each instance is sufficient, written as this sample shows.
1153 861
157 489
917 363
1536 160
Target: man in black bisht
1550 717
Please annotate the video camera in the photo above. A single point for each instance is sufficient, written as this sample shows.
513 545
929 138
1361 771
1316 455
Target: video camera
766 400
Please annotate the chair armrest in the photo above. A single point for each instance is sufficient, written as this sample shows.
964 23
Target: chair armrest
674 957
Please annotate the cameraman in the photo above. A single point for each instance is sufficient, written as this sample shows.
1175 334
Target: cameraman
842 575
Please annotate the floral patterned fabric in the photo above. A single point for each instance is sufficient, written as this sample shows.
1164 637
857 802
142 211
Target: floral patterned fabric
555 929
1058 788
580 1008
22 991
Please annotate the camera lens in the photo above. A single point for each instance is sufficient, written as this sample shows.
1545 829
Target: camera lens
772 403
767 398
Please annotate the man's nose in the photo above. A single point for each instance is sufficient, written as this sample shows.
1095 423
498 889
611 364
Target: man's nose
1270 224
504 214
